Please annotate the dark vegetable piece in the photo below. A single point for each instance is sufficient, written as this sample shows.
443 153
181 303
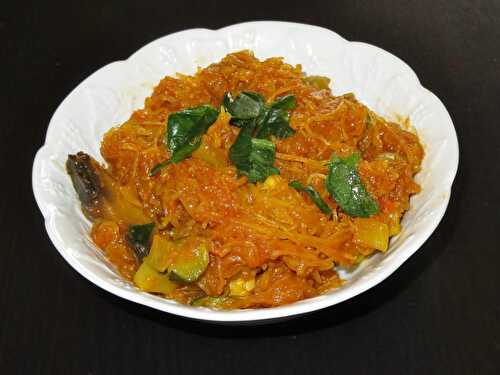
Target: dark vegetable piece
87 183
314 195
85 180
345 186
253 157
139 237
184 132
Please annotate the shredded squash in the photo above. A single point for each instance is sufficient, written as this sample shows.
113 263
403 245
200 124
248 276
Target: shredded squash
268 244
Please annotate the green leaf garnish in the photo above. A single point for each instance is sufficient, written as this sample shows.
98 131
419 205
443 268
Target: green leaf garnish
253 157
258 123
313 194
247 105
184 132
345 186
248 109
139 237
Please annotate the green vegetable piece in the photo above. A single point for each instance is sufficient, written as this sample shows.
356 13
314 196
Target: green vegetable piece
184 132
139 237
314 195
150 280
211 302
247 105
253 157
189 265
345 186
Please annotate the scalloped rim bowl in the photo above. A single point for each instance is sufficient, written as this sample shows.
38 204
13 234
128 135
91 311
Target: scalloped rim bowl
108 97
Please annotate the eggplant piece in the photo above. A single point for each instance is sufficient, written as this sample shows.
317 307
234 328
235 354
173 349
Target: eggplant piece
86 182
100 194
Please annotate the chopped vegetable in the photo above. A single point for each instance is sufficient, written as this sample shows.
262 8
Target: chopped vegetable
314 195
241 286
184 132
345 186
139 237
371 233
160 255
190 264
150 280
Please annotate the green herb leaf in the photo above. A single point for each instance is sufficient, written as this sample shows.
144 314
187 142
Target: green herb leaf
139 237
275 123
287 102
345 186
313 194
185 128
252 153
247 105
253 157
184 132
248 109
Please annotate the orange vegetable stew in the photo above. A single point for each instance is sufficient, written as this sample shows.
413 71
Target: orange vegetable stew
246 185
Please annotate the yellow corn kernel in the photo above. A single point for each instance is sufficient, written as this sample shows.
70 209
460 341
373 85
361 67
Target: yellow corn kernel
271 182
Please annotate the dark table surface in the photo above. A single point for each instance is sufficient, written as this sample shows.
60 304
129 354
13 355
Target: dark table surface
439 313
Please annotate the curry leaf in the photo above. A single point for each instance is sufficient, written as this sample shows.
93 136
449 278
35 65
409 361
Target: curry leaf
253 157
275 123
313 194
345 186
287 102
247 105
185 128
252 153
184 132
139 237
248 109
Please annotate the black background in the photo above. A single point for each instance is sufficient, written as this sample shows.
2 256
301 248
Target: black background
437 314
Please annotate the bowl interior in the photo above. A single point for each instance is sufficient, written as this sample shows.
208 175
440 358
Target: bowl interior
108 97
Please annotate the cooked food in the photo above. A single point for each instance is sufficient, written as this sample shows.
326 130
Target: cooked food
246 185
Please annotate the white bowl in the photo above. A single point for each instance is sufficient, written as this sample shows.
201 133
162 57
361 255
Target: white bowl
108 97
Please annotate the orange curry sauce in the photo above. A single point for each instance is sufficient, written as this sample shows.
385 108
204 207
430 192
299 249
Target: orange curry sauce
267 234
